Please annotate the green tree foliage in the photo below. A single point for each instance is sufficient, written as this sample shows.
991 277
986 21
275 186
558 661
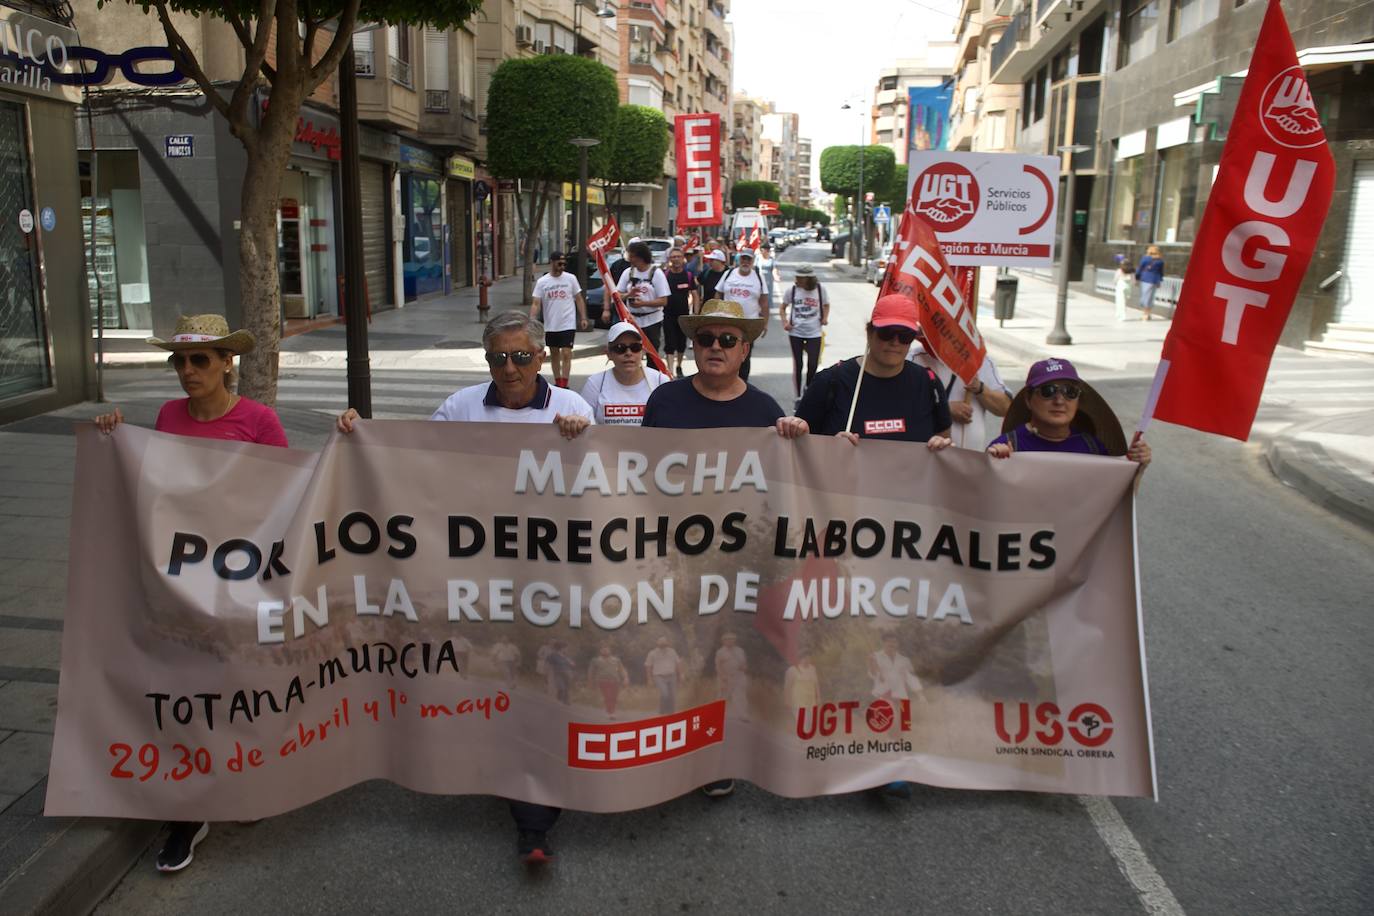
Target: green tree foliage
534 107
749 193
894 192
304 54
638 144
840 174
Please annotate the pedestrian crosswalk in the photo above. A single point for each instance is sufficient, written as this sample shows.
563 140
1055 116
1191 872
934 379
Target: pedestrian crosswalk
1303 387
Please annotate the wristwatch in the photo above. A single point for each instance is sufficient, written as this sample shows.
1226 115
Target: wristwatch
982 386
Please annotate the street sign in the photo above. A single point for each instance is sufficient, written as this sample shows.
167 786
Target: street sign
882 214
987 208
180 146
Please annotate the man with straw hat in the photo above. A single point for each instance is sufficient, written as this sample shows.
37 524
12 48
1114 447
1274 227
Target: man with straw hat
717 397
880 395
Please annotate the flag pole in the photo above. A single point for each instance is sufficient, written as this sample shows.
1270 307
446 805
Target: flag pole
854 402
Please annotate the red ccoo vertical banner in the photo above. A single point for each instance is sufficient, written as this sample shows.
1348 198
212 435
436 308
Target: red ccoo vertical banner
1267 207
698 170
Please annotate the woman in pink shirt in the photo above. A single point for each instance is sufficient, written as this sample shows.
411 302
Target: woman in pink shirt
203 351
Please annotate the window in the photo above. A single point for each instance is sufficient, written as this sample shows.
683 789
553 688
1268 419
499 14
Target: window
467 56
1027 100
1138 21
1187 15
1042 89
1126 177
888 83
1090 45
1176 207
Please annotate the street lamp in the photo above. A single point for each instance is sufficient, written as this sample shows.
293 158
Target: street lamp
581 222
1059 337
860 207
605 11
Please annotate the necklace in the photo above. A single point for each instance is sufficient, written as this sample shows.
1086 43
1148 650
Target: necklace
1031 427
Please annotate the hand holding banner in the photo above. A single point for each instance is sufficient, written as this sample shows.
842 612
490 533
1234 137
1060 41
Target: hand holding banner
1268 203
918 271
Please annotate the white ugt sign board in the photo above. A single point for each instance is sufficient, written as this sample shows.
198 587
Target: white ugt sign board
987 208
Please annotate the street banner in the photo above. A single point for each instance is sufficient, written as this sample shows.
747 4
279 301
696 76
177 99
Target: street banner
598 243
917 269
987 208
1265 213
769 208
698 169
602 624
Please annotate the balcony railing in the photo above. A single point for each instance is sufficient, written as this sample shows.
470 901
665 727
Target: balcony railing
436 100
400 72
364 63
1018 30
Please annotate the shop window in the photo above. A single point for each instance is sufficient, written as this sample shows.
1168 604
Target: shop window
23 333
1125 198
1176 194
1138 21
424 239
1188 15
1090 45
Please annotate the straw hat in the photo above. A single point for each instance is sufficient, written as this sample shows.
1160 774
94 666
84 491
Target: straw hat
1094 417
194 332
719 311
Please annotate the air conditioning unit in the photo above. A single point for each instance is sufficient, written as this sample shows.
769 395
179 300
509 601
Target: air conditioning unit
524 35
539 47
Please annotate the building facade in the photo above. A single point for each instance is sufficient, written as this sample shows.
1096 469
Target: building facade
982 114
890 117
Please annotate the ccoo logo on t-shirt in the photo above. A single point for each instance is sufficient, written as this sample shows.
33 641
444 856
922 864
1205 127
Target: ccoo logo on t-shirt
623 411
883 427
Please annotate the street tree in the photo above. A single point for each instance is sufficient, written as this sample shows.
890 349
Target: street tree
534 107
749 193
894 192
639 142
290 47
840 174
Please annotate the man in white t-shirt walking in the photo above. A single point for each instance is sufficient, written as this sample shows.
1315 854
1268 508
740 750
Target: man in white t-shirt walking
645 288
558 296
743 284
968 407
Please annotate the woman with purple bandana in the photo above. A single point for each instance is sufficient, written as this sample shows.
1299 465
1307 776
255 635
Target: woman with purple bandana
1059 412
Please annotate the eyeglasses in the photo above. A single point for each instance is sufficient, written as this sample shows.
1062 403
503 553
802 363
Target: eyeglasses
627 347
558 263
901 335
1070 392
179 360
519 357
706 340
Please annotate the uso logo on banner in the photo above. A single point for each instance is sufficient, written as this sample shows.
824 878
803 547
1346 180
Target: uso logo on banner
947 195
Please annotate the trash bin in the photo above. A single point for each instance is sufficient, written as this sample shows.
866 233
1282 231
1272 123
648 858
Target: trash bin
1004 298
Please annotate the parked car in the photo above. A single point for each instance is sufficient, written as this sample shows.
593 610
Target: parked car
822 234
659 247
796 236
812 233
877 267
838 242
778 239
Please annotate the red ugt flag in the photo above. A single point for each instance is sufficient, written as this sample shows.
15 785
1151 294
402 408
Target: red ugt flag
1268 203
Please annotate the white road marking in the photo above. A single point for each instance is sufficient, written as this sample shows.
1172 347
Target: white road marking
1150 889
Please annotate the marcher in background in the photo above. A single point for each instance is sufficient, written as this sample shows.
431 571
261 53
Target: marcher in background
768 270
663 668
968 407
1125 273
1059 412
517 393
694 260
645 289
682 300
732 677
558 303
804 312
896 400
743 284
203 351
607 674
1150 273
801 686
710 278
617 395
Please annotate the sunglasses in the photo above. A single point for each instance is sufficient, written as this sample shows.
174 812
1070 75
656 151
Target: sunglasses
706 340
635 347
179 360
901 335
520 357
1070 392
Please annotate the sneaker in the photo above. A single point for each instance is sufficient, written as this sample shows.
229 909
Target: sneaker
679 372
720 788
181 844
533 847
896 790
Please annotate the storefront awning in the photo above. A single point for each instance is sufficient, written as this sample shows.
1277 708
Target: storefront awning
1313 60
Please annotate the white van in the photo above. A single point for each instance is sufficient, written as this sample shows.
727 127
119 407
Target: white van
746 218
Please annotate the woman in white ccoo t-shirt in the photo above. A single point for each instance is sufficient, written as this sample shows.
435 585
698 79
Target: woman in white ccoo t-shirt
618 394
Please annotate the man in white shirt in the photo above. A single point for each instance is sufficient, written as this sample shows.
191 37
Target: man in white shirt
663 668
893 676
968 407
555 295
645 289
745 285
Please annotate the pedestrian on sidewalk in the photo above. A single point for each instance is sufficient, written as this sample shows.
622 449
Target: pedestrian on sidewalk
880 395
1125 275
1150 273
558 302
517 393
607 674
1058 412
804 312
682 300
645 289
969 407
617 395
203 351
743 284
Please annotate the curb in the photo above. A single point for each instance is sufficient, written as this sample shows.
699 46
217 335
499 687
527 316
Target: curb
78 869
1307 468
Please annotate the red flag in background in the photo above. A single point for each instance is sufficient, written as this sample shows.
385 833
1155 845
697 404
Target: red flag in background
918 270
698 169
598 243
755 239
1261 224
769 208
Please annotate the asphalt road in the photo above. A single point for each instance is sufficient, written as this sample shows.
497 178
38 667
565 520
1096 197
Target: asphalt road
1259 634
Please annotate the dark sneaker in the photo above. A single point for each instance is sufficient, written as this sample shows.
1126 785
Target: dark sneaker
679 372
896 790
533 847
181 844
720 788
